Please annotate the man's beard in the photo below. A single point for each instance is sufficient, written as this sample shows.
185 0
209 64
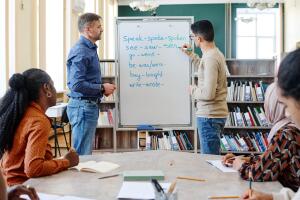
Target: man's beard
98 38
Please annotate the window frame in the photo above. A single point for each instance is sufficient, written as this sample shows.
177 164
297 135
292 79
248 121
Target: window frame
256 12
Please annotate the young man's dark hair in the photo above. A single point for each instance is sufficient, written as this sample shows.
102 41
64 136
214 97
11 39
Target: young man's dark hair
86 19
205 29
288 75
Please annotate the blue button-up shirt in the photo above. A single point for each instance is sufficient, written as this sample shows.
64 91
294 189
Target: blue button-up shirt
83 69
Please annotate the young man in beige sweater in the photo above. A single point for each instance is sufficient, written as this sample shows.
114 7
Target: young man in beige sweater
211 91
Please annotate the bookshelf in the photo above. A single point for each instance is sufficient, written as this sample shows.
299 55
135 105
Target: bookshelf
246 127
109 138
104 137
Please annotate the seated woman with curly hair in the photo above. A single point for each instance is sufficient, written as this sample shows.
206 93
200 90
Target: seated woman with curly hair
24 129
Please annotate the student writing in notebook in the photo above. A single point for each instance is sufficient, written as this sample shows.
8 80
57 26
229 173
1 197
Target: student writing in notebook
24 129
278 161
289 95
211 92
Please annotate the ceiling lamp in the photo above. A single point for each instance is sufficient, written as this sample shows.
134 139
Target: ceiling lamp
144 5
261 4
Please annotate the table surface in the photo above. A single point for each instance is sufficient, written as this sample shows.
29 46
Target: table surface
83 184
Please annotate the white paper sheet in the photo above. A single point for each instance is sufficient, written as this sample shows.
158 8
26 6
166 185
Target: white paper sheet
139 190
218 164
44 196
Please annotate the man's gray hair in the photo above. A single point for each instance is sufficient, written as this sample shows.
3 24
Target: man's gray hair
86 19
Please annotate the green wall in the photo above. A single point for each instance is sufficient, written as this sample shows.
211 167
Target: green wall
233 26
213 12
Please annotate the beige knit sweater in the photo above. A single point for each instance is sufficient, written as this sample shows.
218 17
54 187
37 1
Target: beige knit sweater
211 91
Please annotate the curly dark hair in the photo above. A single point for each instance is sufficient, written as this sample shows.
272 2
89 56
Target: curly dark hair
289 75
23 88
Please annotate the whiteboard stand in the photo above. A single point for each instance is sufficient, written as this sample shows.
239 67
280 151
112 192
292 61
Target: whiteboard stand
153 75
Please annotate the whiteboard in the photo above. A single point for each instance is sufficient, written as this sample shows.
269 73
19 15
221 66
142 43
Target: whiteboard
153 73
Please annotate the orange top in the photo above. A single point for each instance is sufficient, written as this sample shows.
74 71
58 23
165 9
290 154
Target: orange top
31 154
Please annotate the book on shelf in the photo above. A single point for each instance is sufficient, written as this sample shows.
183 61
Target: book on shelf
109 98
106 118
108 69
164 140
246 91
251 141
250 117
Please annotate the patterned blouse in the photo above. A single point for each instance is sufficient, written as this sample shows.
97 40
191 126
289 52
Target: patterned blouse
281 161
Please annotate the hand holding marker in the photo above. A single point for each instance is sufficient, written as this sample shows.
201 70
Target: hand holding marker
186 48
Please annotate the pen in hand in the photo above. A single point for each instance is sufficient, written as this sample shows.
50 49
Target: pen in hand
250 183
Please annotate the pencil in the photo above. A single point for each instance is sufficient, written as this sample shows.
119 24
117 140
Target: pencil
110 176
190 178
172 187
223 197
250 183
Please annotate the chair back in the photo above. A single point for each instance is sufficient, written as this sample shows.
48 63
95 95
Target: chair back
64 117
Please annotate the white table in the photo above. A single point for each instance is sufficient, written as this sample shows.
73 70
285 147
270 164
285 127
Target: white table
173 164
55 112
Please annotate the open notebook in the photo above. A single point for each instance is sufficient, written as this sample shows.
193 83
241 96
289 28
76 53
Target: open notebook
96 167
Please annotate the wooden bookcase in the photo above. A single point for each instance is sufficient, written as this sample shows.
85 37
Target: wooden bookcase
242 71
110 139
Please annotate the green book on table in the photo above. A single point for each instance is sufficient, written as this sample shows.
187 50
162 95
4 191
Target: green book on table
143 175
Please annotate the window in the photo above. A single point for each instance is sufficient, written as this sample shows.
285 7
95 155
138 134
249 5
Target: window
2 48
90 6
256 33
55 42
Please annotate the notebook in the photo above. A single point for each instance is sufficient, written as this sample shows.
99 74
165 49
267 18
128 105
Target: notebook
143 175
96 167
139 190
44 196
218 164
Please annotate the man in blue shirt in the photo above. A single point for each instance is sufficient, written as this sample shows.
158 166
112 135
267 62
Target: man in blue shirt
84 82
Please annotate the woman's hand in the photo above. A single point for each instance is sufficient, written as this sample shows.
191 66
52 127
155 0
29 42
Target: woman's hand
227 160
237 163
255 195
15 192
73 158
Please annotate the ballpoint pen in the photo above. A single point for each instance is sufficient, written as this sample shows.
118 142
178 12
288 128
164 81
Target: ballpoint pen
160 191
250 183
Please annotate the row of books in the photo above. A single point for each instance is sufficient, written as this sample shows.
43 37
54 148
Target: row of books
108 98
170 140
105 118
251 117
107 69
246 91
251 141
